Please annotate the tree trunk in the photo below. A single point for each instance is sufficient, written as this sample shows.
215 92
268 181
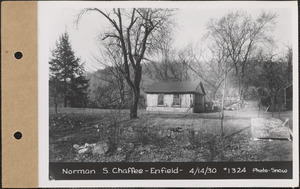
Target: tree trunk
134 105
222 107
241 95
135 87
215 93
122 98
122 95
65 101
55 103
272 105
56 94
242 98
259 105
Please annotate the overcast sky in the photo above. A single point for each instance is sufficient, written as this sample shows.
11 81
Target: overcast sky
57 17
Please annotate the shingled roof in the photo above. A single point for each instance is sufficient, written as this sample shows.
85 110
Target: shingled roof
175 87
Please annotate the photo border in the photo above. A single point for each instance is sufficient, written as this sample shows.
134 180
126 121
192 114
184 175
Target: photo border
43 55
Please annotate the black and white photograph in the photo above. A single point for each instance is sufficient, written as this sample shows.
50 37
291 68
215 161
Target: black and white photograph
169 82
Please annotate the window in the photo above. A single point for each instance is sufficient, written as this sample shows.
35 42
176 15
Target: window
176 100
160 99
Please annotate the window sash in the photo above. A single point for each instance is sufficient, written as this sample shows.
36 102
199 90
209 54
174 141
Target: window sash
160 99
176 100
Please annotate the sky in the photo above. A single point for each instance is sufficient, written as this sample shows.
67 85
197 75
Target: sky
191 18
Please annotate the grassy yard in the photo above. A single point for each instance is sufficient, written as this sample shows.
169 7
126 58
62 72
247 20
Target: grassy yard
158 137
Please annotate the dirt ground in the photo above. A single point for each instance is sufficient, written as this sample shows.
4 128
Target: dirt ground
158 137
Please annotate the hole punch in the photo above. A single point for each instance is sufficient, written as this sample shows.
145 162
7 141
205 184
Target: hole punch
18 55
18 135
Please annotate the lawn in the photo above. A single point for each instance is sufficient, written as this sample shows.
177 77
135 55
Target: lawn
159 137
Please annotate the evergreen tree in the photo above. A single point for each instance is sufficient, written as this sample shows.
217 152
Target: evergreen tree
77 94
67 74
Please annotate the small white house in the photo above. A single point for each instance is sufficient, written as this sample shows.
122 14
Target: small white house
185 96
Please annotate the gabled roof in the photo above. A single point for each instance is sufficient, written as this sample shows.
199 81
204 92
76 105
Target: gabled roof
176 87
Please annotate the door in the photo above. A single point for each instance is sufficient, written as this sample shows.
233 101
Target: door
199 103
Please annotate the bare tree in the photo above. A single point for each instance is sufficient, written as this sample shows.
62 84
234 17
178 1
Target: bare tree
215 68
163 68
272 75
186 60
272 78
111 58
134 32
214 72
240 35
169 70
289 59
